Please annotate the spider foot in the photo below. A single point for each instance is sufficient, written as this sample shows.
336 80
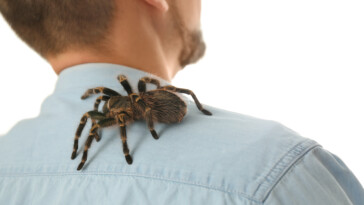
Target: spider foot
87 94
129 160
80 166
155 135
73 155
206 112
97 137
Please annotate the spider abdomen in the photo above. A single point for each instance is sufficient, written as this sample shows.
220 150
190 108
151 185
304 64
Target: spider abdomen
166 107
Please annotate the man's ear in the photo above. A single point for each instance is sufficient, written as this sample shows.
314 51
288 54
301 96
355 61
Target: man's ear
162 5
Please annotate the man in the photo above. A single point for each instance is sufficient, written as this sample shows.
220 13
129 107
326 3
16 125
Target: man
226 158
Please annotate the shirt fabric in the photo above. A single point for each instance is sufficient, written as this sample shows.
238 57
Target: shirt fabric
226 158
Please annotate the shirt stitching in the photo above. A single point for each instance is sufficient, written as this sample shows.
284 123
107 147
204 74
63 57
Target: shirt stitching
135 174
282 167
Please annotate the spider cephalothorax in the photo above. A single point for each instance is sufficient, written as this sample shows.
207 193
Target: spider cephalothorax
159 105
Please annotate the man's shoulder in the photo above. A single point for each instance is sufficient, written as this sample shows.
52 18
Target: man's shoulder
244 154
237 127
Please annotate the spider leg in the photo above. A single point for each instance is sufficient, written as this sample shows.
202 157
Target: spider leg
143 81
124 82
189 92
122 125
98 101
97 90
102 123
97 136
150 123
93 115
96 108
148 117
87 146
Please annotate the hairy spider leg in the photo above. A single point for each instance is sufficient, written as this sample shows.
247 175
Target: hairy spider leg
96 108
148 117
122 124
98 101
93 115
97 136
87 146
102 123
106 91
143 81
189 92
124 82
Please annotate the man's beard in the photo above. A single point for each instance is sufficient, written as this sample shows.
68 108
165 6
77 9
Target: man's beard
193 45
193 48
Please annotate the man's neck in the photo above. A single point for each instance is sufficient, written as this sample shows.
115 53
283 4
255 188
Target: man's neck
144 63
140 46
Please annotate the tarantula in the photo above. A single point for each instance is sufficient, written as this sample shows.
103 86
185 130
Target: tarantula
159 105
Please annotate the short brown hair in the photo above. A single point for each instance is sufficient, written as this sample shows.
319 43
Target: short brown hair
53 26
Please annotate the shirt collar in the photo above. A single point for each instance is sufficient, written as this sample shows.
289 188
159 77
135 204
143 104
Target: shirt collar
91 75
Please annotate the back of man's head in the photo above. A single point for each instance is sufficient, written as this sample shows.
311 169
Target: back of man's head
165 34
52 27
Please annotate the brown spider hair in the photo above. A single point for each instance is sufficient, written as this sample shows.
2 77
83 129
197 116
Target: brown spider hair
51 27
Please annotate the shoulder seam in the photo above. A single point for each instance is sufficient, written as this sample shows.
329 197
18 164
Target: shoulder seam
281 168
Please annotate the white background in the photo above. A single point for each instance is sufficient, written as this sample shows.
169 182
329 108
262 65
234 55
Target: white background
300 63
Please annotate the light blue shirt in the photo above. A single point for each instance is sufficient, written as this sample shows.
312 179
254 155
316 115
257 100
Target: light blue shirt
226 158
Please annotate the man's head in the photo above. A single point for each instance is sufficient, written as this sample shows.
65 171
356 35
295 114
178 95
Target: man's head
55 27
